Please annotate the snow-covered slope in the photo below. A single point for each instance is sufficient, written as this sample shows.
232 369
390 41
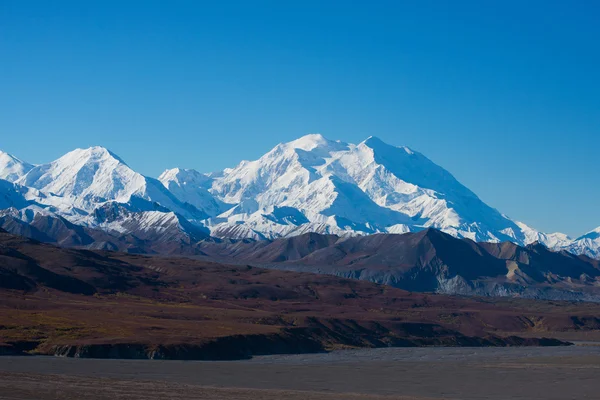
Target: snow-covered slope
148 224
407 182
288 190
188 185
13 196
29 201
11 168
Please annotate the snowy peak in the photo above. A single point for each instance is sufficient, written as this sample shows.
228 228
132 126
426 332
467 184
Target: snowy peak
172 175
91 175
183 177
88 178
11 168
284 176
309 142
94 153
188 186
554 241
93 156
315 141
366 188
84 183
588 244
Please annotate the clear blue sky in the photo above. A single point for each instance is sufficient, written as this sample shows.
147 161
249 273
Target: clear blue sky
504 94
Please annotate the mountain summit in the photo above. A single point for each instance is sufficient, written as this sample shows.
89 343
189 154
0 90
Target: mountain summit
88 176
11 168
319 185
588 244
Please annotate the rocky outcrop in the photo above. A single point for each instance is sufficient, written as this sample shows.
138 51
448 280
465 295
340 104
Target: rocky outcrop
320 336
235 347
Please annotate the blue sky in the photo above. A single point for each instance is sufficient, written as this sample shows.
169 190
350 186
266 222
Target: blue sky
503 94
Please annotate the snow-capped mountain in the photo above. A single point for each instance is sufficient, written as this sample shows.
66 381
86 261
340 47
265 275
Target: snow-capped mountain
290 187
315 184
311 184
188 186
554 240
588 244
85 178
11 168
84 184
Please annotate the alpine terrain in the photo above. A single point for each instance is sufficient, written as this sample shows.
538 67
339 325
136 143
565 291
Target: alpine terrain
311 184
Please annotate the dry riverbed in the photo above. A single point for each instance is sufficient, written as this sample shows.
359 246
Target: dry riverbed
399 373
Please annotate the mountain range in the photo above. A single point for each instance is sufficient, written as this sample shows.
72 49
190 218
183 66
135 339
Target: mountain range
91 197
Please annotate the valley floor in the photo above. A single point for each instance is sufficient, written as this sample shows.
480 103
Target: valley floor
377 374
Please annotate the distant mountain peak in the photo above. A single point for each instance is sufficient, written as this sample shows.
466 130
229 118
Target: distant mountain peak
88 178
188 185
12 168
93 154
309 142
347 189
182 176
94 171
315 141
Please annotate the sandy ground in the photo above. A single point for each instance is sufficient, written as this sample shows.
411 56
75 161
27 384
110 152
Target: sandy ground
409 374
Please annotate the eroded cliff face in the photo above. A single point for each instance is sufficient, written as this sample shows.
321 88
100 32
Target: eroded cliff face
428 261
322 336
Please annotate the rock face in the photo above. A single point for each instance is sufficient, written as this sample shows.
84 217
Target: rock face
428 261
